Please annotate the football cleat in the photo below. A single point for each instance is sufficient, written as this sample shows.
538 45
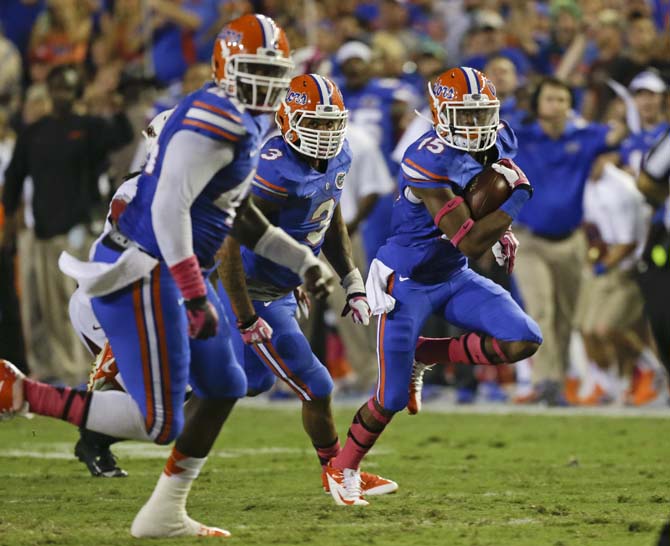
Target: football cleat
647 389
371 484
416 386
12 400
92 449
345 486
104 371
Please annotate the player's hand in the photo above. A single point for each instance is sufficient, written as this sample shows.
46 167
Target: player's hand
304 303
515 177
203 320
357 301
357 306
505 251
255 331
319 281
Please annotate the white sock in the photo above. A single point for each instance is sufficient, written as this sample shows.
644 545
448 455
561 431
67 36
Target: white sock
116 413
164 514
524 377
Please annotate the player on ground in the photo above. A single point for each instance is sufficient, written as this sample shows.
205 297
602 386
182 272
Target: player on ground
423 268
148 281
298 186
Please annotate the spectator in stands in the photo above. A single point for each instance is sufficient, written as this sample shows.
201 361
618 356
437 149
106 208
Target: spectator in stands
60 36
649 94
63 153
502 72
10 73
17 18
181 35
487 38
645 46
557 154
610 63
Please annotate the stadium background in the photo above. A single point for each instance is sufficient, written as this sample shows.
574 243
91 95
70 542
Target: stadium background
138 57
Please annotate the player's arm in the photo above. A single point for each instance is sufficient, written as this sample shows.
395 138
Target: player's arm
337 249
252 229
231 273
365 207
452 216
655 172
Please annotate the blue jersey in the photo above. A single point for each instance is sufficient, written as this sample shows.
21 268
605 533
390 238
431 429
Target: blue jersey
307 197
371 107
636 145
417 248
209 113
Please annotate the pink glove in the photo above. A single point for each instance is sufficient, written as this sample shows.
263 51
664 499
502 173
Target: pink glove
255 331
505 251
201 314
515 177
203 320
357 305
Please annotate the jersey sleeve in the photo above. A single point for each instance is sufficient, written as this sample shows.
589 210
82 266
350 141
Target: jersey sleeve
420 166
213 121
509 144
269 182
657 162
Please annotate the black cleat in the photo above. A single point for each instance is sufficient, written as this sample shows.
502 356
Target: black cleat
92 449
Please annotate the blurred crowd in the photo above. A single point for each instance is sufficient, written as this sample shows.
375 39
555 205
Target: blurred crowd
584 84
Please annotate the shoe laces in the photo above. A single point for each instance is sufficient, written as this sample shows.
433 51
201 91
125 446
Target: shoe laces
418 370
352 482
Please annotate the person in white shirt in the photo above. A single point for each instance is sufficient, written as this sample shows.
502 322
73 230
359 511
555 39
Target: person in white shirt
610 312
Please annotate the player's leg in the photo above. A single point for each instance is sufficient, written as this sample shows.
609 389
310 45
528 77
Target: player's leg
218 382
93 448
499 330
397 333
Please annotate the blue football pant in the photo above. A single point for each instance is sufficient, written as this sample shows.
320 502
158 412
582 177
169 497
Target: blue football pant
287 356
146 325
467 300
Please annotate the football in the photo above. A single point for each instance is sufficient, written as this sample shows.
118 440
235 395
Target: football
486 192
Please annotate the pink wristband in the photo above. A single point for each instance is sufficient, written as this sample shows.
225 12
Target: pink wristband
188 277
446 209
462 232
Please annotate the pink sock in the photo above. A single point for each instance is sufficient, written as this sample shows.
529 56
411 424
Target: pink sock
325 454
60 402
360 439
466 349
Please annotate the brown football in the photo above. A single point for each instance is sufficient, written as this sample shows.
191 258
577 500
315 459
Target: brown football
486 192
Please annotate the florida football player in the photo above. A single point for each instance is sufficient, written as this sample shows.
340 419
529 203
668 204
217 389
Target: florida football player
297 186
423 267
148 281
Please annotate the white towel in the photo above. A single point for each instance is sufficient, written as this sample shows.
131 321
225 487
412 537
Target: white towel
379 300
99 279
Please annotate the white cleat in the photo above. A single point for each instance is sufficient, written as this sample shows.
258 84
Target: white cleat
416 386
345 486
150 522
12 399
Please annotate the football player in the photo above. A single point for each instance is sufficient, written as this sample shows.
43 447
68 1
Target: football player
148 278
423 267
297 186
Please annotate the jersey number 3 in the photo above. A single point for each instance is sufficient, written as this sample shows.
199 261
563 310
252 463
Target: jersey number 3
322 214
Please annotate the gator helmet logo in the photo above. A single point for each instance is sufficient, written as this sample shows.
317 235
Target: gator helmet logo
339 180
297 97
230 35
444 91
491 87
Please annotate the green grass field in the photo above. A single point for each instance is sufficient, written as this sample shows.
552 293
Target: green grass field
464 480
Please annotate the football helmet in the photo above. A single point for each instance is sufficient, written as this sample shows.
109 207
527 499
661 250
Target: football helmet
312 117
466 111
252 61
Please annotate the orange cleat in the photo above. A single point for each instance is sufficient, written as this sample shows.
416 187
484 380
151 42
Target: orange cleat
645 390
104 372
416 386
371 484
345 486
571 391
12 400
598 397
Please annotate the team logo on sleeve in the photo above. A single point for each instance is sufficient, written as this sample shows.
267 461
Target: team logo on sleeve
339 180
444 91
297 97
